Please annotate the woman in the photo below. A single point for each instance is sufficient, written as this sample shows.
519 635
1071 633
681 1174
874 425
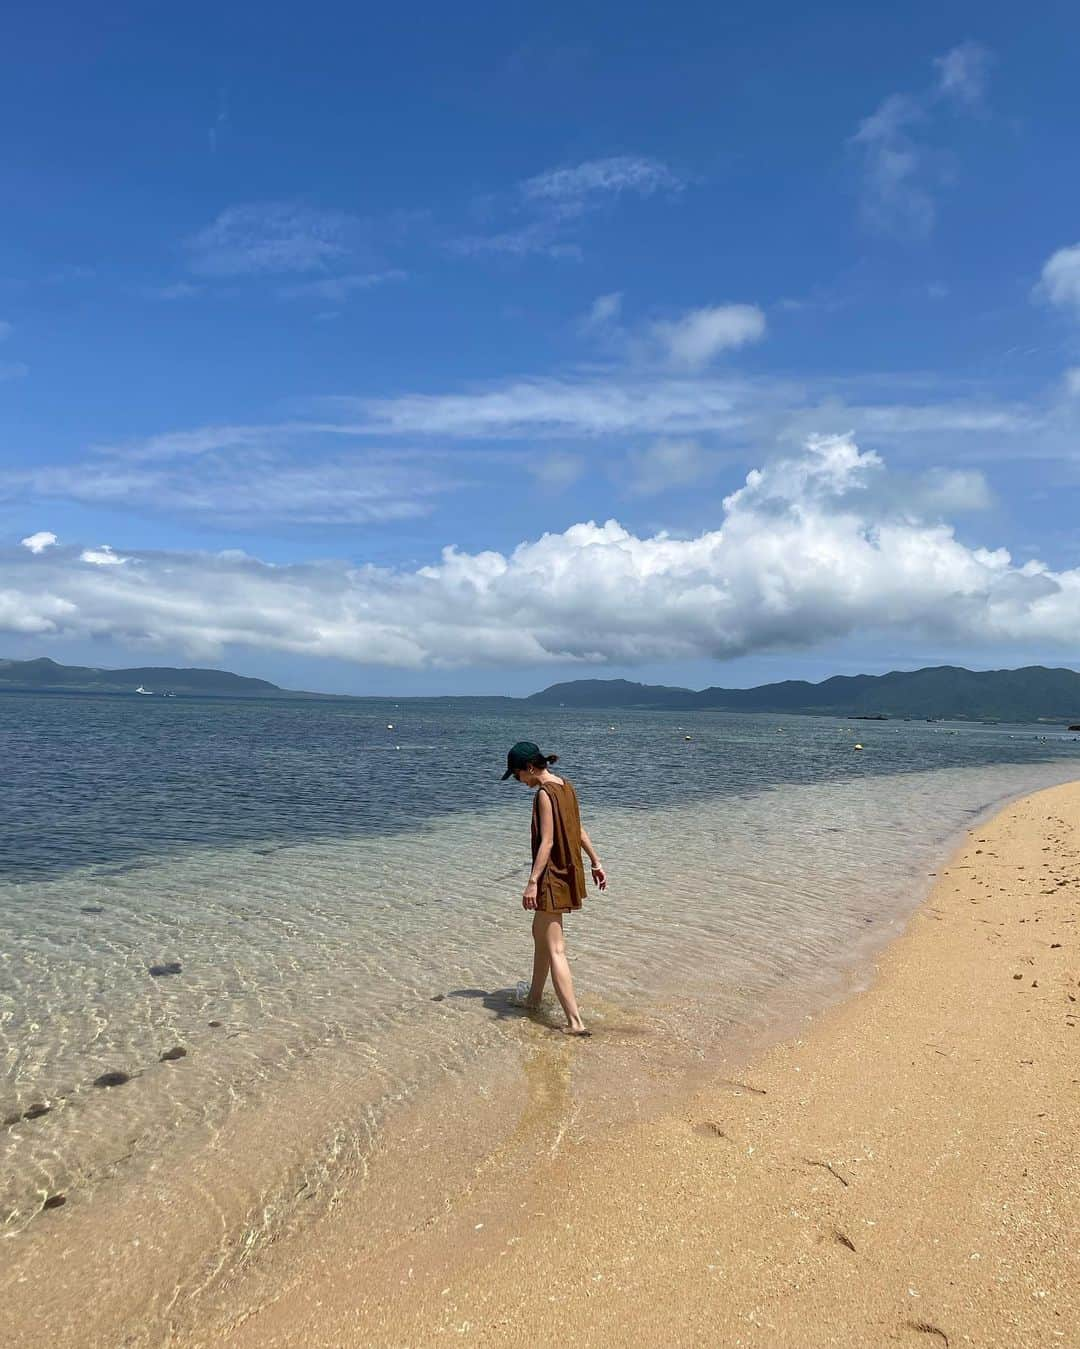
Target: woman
557 880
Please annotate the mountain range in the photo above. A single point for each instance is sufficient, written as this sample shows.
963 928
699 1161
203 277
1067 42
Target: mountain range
1034 693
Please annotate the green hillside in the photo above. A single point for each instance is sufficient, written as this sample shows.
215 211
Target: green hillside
1033 693
47 675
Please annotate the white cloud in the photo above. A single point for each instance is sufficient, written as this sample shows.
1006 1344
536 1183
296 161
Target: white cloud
642 403
692 341
540 237
246 477
963 72
271 237
553 202
338 288
807 551
600 177
603 311
1060 282
667 464
37 543
901 172
894 199
177 290
557 470
102 557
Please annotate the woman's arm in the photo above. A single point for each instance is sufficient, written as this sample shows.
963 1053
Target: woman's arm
598 874
543 853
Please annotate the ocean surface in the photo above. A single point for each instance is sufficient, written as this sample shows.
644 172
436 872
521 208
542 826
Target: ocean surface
336 887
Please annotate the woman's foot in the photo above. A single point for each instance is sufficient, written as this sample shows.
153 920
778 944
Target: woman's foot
575 1028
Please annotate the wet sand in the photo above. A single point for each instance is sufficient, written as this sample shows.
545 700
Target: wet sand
903 1169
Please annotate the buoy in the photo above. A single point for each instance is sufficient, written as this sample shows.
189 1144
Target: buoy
858 746
611 728
389 725
686 737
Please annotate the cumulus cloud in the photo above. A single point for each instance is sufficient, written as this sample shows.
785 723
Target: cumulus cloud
102 557
37 543
1060 282
900 171
808 549
692 341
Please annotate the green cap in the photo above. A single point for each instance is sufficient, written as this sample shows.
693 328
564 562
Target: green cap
520 756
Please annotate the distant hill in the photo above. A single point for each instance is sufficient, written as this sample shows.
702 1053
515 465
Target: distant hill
46 675
1034 693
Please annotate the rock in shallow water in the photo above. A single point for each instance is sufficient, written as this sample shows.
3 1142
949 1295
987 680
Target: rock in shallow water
114 1079
172 967
36 1110
177 1052
55 1201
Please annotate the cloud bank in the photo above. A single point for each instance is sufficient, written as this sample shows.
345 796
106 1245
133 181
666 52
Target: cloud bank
814 547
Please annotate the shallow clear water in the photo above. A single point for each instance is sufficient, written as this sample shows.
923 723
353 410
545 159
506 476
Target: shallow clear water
330 886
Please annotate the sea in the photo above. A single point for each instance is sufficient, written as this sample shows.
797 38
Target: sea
239 938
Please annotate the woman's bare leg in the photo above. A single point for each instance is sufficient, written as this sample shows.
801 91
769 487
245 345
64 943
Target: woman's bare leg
552 933
541 963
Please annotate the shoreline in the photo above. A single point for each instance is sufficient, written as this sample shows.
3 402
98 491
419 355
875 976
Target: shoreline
904 1171
429 1199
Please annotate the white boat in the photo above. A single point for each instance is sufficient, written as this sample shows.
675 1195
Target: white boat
148 692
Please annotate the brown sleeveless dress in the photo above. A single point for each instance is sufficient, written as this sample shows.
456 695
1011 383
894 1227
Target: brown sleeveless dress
562 884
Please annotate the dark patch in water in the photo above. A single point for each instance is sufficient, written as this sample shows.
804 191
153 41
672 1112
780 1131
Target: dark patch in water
177 1052
55 1201
172 967
113 1079
214 1024
36 1110
92 908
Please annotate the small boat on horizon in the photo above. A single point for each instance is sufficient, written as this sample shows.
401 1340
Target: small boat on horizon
149 693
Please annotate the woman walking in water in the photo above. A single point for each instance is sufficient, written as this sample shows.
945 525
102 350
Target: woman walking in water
557 881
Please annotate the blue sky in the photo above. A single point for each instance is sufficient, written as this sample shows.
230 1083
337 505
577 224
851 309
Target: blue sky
293 300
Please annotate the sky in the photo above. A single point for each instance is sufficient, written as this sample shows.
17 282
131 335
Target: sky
464 351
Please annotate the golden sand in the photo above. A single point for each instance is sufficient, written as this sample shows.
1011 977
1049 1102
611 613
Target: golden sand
904 1172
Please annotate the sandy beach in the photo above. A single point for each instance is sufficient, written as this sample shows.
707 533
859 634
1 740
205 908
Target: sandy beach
901 1171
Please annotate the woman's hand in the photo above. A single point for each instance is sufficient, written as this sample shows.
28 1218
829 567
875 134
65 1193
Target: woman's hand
528 899
599 876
